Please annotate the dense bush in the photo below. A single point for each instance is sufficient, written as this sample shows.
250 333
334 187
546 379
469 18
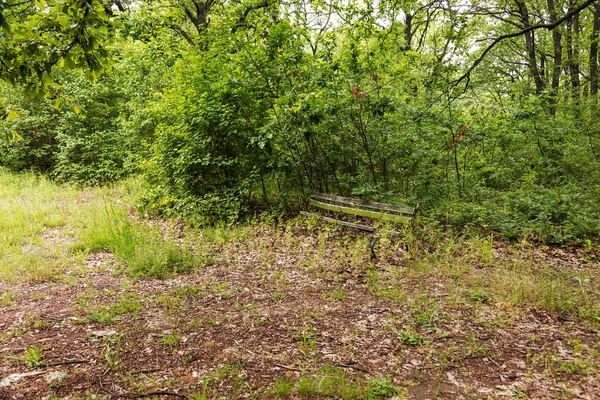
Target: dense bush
35 123
91 148
75 139
258 108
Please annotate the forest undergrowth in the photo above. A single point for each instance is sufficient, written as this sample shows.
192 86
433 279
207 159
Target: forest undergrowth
100 301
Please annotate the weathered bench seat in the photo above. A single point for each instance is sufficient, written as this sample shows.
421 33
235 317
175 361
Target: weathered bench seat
343 205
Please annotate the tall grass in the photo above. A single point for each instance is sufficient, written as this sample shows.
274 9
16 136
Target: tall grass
140 247
48 229
31 207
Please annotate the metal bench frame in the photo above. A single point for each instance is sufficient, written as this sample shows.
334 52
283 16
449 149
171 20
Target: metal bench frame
380 211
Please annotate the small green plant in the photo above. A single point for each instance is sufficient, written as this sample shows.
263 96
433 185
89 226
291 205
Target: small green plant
7 299
128 304
33 357
331 383
306 342
338 294
171 340
188 290
473 349
112 351
382 388
426 312
84 299
204 394
222 290
382 287
412 339
478 297
169 302
282 388
279 295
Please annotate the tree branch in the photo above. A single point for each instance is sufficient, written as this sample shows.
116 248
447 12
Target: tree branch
531 28
183 33
242 19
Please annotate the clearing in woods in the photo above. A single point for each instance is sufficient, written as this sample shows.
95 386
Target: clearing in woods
98 302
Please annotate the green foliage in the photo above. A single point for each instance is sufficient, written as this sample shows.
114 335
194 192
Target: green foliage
128 304
35 123
478 297
112 351
332 382
282 388
34 357
142 250
40 35
78 142
91 149
412 338
250 107
426 312
382 388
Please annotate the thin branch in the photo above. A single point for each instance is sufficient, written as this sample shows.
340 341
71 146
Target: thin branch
68 362
522 32
183 33
242 19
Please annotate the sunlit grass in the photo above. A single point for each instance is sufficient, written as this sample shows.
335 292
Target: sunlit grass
140 247
34 231
48 230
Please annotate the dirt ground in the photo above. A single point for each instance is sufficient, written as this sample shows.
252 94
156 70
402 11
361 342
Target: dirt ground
280 304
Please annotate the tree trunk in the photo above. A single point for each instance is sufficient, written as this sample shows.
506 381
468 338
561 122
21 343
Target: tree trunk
408 33
573 55
556 40
594 52
530 48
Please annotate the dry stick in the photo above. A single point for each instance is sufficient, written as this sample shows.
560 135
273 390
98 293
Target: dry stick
130 395
353 367
146 371
286 367
54 364
494 361
522 32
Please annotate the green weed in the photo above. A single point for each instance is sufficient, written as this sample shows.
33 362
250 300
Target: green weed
426 312
172 340
140 247
335 383
112 351
382 388
283 388
128 304
34 357
478 297
338 294
412 338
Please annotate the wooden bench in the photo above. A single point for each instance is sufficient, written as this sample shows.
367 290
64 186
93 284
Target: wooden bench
379 211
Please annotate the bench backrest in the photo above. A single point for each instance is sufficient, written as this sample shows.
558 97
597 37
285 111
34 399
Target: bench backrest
381 211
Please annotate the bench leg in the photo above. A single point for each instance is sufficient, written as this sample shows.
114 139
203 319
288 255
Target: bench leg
373 242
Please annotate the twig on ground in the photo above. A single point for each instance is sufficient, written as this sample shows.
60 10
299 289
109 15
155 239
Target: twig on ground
130 395
494 361
286 367
67 362
356 367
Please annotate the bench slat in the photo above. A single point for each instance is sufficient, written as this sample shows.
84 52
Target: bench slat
337 221
358 211
372 205
350 224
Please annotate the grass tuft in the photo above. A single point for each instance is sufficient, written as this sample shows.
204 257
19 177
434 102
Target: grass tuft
142 248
